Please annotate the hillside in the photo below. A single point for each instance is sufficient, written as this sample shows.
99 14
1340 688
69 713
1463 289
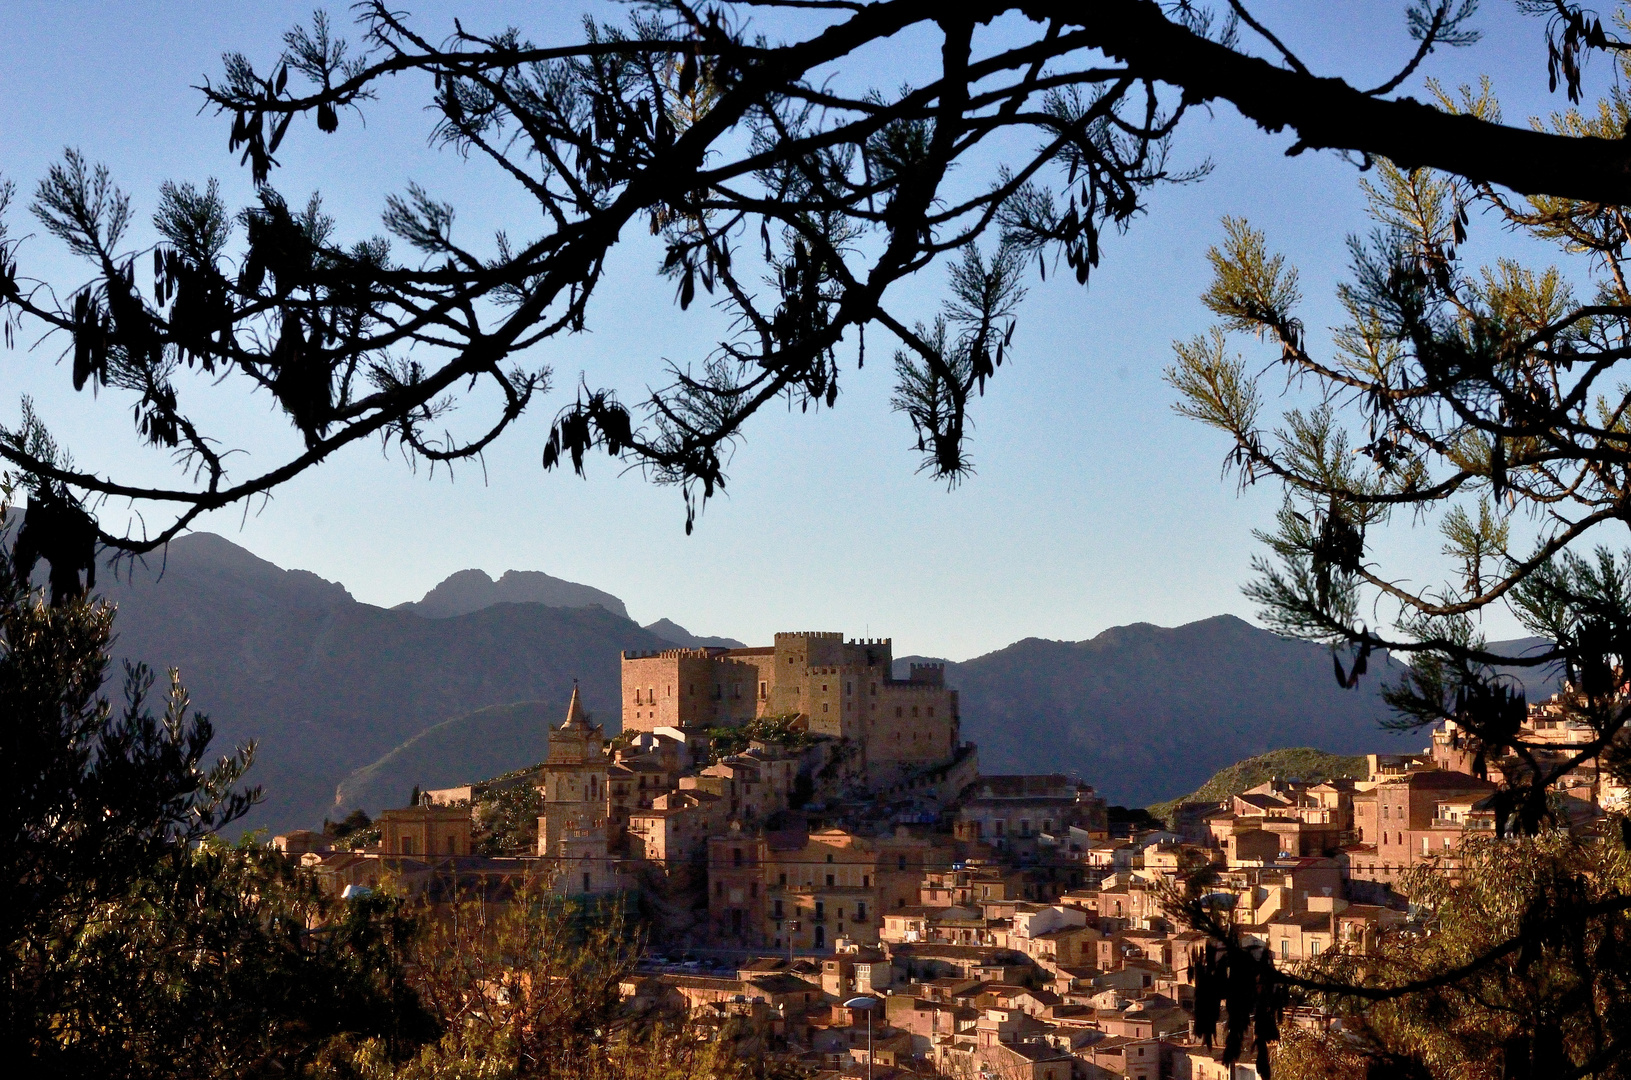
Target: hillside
1301 763
327 685
669 630
472 590
488 742
1146 713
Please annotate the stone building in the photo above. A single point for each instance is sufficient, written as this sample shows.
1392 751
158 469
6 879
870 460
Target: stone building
841 689
1415 817
1012 813
425 831
808 890
572 831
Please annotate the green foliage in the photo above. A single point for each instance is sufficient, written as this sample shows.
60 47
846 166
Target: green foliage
134 942
507 819
1301 763
532 988
725 741
1537 935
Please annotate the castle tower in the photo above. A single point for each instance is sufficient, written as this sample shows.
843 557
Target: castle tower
572 829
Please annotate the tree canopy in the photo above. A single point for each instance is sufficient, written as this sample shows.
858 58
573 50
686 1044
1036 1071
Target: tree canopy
792 204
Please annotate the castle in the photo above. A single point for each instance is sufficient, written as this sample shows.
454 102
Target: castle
845 690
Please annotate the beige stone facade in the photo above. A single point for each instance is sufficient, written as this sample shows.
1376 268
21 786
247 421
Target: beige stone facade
837 688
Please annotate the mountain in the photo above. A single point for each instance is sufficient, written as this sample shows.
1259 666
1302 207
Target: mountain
1146 713
327 685
488 742
669 630
472 590
1301 763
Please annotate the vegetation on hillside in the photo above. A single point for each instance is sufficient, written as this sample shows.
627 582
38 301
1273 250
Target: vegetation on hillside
1299 763
133 941
725 741
1550 1002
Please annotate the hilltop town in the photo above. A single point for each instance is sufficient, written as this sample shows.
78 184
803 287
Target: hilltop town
819 860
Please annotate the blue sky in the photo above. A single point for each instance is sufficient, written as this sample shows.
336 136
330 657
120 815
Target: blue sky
1093 505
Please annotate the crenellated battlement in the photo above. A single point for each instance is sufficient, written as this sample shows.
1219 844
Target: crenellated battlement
706 653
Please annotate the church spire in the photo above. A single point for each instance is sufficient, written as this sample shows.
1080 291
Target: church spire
575 716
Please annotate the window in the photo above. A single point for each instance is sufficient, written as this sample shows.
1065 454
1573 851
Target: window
1024 827
719 888
829 858
899 711
999 824
781 879
764 690
406 845
931 710
874 689
1285 948
778 911
860 912
900 862
821 910
866 879
849 688
823 688
736 856
823 706
586 883
450 850
829 881
1384 813
914 710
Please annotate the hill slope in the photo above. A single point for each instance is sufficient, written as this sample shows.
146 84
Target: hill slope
1146 713
1301 763
488 742
327 685
472 590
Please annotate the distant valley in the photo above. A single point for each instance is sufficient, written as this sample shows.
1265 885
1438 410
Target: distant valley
340 694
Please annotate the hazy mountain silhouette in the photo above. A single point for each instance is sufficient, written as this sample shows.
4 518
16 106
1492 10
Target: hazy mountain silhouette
327 685
472 590
1147 713
669 630
477 746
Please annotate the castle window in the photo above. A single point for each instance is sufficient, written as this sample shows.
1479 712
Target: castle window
823 688
899 711
823 706
914 710
849 688
829 858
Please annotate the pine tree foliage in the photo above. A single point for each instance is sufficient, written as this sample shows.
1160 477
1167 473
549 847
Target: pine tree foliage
1489 401
133 941
781 198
